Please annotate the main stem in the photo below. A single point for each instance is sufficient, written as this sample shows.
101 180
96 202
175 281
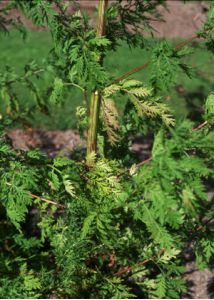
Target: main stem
96 96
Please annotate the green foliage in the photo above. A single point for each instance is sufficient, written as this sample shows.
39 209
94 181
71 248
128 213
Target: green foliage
135 13
144 103
108 220
11 98
209 105
57 91
207 31
108 227
166 63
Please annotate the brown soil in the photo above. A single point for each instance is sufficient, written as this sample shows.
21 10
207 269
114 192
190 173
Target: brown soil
181 19
52 142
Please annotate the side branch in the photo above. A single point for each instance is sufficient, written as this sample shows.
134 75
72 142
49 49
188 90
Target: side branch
46 200
124 270
142 263
42 198
25 76
138 69
140 164
201 125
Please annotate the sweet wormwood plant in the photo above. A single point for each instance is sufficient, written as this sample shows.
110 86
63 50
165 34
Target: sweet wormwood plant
105 226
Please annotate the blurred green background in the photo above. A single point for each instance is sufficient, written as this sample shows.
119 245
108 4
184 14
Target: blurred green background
185 98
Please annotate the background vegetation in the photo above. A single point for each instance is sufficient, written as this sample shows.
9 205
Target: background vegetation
186 98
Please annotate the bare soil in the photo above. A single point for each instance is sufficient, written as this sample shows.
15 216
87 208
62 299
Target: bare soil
180 19
52 142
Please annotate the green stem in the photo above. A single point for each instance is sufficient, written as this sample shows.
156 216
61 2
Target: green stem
96 96
93 123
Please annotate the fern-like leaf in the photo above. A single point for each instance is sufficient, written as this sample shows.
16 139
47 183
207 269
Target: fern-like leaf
110 120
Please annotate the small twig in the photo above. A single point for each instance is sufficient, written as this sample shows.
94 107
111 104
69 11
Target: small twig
124 270
177 47
201 125
74 84
124 76
184 43
82 90
206 222
129 269
137 166
25 76
46 200
144 162
150 158
42 198
202 226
